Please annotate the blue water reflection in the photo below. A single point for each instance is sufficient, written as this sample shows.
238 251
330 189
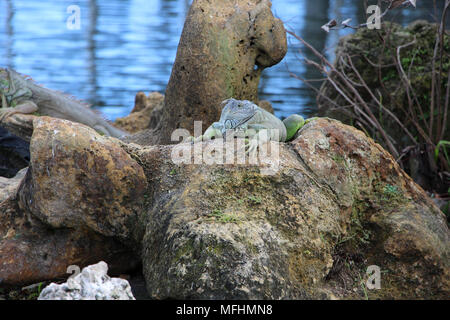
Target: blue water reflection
126 46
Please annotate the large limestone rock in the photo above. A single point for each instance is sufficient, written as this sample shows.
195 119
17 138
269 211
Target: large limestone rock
61 213
102 187
31 251
338 198
337 204
224 47
93 283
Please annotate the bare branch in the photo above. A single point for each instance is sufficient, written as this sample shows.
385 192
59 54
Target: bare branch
393 4
380 104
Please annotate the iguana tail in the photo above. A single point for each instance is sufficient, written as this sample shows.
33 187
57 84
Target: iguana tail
293 123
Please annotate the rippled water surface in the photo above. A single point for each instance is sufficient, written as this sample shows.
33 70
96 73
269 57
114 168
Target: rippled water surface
127 46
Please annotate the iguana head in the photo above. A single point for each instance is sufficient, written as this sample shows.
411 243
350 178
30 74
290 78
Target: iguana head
235 113
13 93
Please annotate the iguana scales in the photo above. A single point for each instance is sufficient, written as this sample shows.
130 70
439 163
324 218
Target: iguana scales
248 120
21 95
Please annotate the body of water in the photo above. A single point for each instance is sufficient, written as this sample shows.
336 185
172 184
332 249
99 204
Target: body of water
126 46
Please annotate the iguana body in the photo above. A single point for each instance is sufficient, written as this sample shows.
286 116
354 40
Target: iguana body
248 120
19 95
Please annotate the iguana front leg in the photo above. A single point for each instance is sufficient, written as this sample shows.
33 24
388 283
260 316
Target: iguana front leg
215 130
26 107
257 135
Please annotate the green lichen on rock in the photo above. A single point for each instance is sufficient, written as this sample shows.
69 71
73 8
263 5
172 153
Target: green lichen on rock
218 215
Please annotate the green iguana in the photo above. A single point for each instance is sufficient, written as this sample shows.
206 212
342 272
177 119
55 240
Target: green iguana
246 119
20 95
